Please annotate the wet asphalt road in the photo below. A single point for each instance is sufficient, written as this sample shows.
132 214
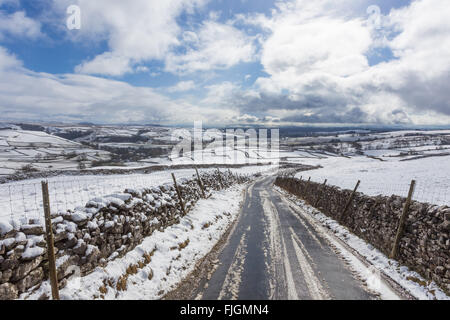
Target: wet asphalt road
275 253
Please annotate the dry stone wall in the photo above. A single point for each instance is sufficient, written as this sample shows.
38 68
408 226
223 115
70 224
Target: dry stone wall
425 245
106 228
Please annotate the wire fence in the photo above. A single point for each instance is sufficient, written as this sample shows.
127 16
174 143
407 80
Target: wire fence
427 190
22 201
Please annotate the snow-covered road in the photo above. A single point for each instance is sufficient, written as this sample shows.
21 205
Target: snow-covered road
276 252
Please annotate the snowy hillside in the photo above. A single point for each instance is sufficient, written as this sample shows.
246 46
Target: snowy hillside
385 163
28 151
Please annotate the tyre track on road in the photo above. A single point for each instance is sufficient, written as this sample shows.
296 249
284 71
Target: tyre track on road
275 251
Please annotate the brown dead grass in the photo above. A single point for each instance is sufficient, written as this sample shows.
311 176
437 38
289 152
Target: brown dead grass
206 225
103 289
132 269
150 274
418 281
122 282
183 245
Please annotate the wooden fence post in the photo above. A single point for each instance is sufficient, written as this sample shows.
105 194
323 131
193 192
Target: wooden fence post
299 186
50 243
183 210
319 196
347 205
220 178
402 222
200 183
307 185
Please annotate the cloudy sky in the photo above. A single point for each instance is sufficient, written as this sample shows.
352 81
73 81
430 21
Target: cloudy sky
227 61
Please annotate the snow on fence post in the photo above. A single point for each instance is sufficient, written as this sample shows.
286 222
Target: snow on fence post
402 222
347 205
200 183
319 196
50 244
183 210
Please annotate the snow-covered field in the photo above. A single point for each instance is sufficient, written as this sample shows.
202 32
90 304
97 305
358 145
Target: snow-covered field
374 140
42 151
385 163
102 133
386 177
169 262
115 147
228 155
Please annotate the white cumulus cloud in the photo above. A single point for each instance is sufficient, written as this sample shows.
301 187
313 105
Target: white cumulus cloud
316 54
137 31
17 24
214 46
182 86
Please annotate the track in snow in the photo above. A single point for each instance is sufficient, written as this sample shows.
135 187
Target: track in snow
276 252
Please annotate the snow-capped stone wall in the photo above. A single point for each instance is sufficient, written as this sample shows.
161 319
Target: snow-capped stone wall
106 228
425 245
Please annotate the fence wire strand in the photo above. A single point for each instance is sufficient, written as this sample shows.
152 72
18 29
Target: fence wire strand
426 191
22 200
